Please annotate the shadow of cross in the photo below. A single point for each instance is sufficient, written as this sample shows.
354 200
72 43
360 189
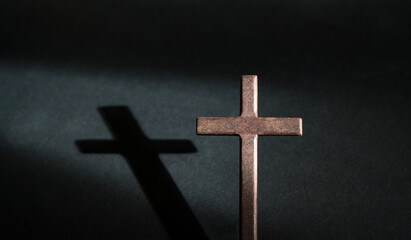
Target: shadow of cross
141 154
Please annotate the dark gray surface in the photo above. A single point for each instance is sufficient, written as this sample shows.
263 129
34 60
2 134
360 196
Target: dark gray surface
341 66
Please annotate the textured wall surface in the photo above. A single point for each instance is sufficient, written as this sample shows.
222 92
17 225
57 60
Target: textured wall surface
343 66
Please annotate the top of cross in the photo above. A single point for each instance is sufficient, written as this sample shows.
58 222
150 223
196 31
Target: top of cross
249 122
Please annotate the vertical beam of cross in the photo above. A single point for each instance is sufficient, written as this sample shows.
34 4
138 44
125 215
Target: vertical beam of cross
248 173
248 126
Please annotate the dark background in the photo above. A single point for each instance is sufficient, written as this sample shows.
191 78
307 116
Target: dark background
75 70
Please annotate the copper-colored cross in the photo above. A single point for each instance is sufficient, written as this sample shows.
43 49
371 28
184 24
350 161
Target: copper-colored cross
248 126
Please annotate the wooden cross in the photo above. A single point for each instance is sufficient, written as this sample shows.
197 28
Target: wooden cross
248 126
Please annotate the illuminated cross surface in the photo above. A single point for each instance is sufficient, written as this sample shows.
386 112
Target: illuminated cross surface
248 126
